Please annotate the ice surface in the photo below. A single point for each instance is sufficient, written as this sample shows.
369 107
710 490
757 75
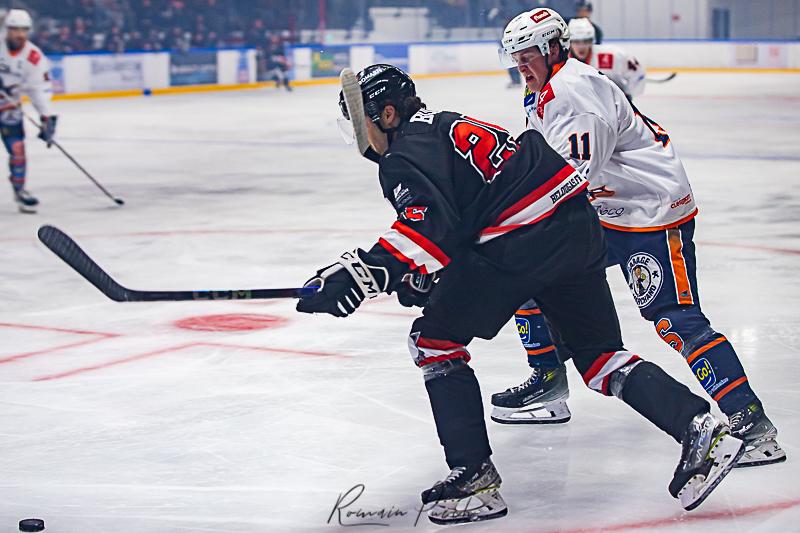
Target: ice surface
112 419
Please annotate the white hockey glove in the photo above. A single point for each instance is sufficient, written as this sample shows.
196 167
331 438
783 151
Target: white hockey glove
344 285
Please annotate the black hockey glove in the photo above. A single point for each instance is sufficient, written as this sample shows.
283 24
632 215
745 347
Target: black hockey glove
415 289
48 129
344 285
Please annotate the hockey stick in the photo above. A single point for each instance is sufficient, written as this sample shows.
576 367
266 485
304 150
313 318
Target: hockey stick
118 201
662 80
355 108
68 250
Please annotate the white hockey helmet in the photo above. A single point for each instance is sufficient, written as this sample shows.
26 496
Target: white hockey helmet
18 18
581 29
533 28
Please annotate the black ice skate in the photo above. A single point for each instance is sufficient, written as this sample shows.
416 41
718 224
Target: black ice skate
25 201
541 399
468 494
751 425
709 454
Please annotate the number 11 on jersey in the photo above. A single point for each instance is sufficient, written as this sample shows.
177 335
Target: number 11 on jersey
573 143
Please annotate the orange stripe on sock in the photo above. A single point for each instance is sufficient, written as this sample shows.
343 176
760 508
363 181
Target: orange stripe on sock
682 285
729 388
704 349
541 350
528 312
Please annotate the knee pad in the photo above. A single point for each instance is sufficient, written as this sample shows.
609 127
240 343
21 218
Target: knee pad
684 328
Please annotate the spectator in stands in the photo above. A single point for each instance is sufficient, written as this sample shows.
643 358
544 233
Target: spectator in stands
114 41
81 37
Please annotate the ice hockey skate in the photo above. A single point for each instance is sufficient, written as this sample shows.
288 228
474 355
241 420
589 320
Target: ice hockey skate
709 454
25 201
468 494
540 399
751 425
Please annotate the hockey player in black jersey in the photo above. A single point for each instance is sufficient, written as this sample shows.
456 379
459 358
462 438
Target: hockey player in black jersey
501 221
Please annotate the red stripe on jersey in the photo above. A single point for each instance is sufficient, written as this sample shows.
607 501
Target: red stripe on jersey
463 354
494 126
510 227
424 342
537 194
423 242
400 257
598 365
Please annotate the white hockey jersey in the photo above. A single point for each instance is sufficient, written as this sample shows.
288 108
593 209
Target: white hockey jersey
24 72
620 67
637 181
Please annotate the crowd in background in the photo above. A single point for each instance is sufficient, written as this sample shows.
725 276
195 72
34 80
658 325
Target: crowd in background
67 26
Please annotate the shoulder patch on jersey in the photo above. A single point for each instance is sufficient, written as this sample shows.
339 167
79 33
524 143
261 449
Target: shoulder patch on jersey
605 61
34 57
528 98
545 95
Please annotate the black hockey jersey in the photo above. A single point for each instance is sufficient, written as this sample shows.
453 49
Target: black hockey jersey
455 181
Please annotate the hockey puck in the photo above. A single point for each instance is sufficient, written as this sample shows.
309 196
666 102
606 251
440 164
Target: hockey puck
31 524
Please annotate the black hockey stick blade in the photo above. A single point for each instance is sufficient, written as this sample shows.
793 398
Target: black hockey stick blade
662 80
68 250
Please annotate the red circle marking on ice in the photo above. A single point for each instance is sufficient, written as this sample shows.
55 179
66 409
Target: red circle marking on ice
230 322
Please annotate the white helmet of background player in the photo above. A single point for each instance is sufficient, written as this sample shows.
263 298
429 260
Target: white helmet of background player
582 36
533 28
581 30
18 18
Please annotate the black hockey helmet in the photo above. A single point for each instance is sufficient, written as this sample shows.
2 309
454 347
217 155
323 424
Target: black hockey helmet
381 85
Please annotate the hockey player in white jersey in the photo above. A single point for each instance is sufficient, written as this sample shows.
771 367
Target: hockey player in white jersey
620 67
642 196
24 70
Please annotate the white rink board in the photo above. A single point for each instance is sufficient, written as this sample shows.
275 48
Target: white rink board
113 419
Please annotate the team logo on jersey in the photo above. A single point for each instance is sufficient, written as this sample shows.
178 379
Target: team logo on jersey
645 277
605 61
415 213
704 373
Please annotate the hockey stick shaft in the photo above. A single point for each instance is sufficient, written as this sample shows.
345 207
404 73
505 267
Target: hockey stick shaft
86 173
662 80
355 108
55 143
68 250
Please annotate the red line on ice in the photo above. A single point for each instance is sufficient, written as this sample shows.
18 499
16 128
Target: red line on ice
688 517
177 348
99 336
